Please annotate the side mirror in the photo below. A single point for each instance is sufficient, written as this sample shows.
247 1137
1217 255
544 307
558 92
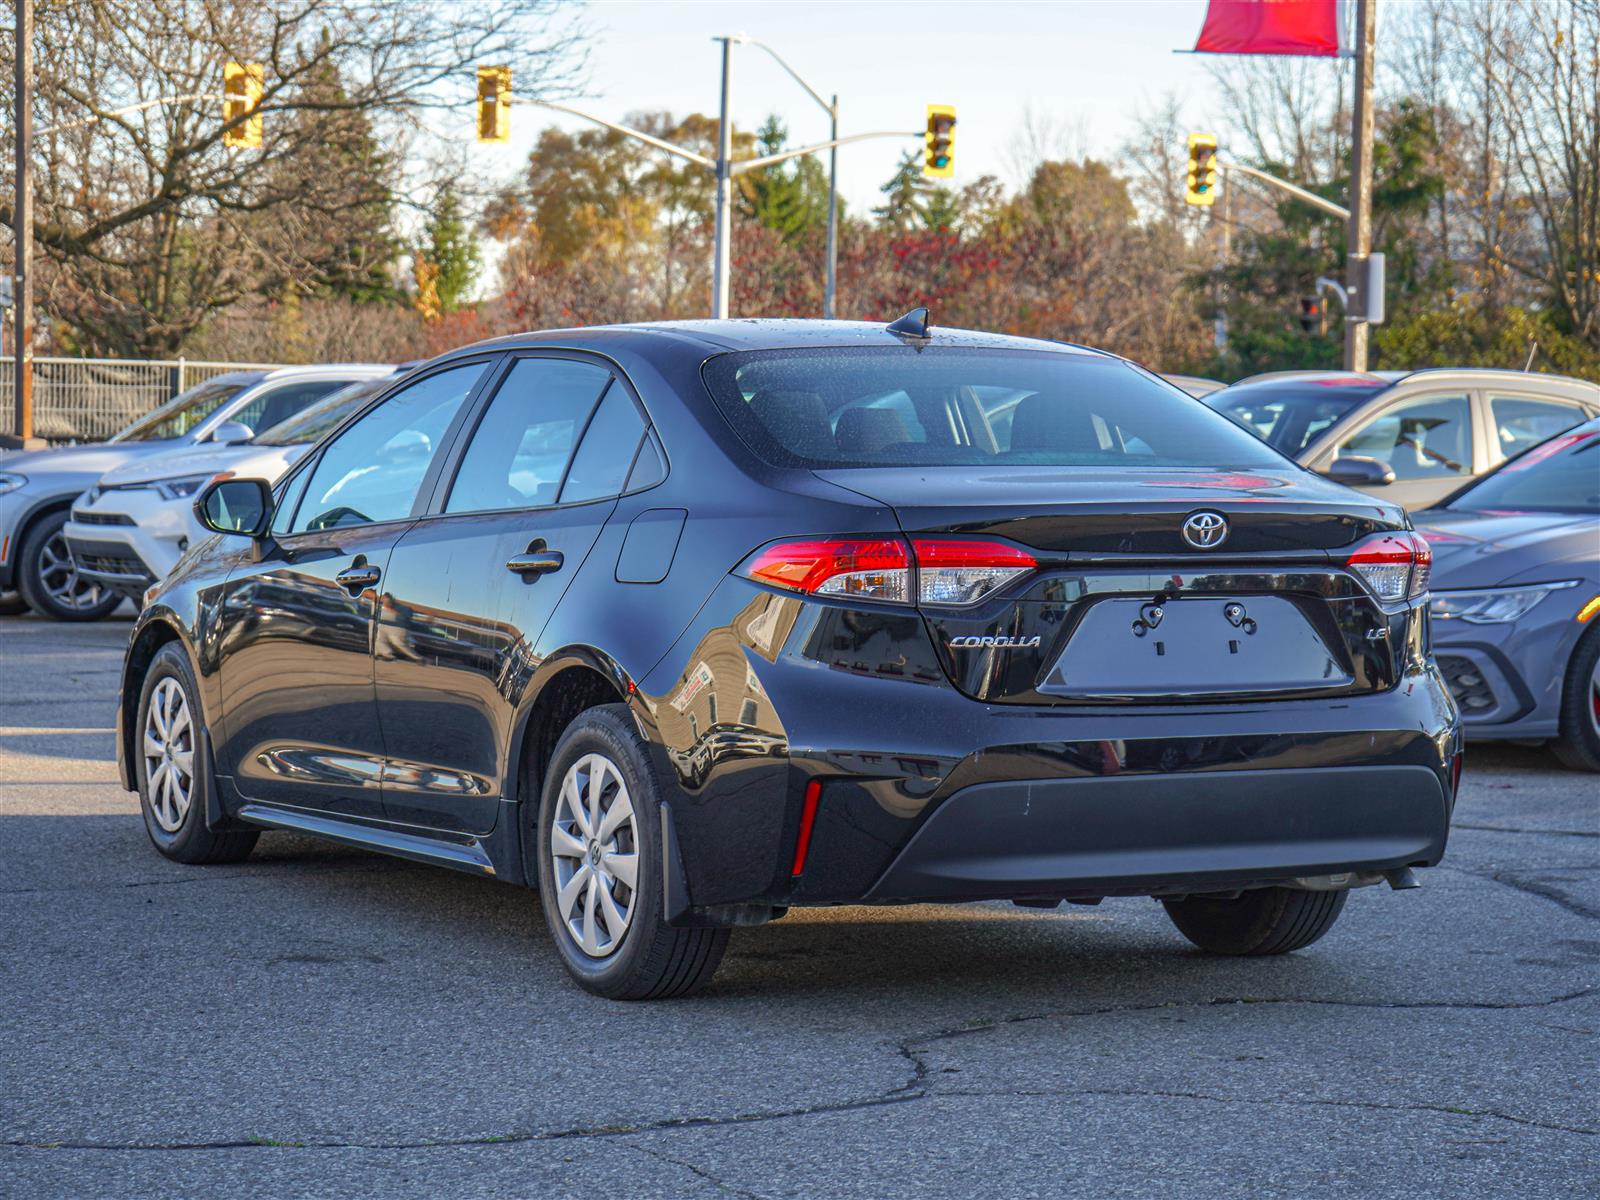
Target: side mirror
1356 470
231 433
236 506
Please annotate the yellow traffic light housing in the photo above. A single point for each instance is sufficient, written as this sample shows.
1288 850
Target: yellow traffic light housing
241 99
1201 186
939 143
494 104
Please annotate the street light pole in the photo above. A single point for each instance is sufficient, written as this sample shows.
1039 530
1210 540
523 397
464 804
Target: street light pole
830 292
22 335
721 263
1360 245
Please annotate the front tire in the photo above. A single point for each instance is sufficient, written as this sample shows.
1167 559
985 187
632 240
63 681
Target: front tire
1578 746
48 580
1271 920
599 851
174 772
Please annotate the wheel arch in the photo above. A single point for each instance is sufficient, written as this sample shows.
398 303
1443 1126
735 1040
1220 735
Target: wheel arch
142 650
31 517
567 683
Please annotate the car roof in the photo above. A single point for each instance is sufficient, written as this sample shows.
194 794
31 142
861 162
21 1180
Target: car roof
772 333
1471 376
313 370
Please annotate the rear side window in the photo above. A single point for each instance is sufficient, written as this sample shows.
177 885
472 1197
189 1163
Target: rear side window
953 406
518 454
1520 423
600 467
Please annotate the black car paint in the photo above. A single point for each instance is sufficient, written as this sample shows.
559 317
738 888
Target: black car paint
470 661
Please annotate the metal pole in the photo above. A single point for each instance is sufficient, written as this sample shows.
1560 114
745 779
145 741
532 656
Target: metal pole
831 291
23 213
722 250
1355 331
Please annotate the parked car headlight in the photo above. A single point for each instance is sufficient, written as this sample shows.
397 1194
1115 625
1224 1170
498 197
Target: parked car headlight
1491 606
10 482
180 488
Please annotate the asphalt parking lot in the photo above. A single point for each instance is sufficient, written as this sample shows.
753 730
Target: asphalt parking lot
324 1022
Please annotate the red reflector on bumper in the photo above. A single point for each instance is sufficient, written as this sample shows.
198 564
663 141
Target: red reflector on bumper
808 817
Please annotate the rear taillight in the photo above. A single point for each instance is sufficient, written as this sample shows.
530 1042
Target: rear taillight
958 571
862 568
1395 566
950 572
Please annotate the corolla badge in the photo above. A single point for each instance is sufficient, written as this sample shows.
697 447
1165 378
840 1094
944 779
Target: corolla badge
973 642
1206 530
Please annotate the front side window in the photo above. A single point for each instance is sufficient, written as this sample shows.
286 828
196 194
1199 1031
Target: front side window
955 406
183 412
1290 416
518 454
1520 422
374 469
1429 438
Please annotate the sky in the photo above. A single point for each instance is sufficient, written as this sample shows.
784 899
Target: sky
1084 68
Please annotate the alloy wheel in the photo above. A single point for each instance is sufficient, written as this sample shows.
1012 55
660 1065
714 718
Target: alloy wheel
62 583
595 853
169 754
1594 699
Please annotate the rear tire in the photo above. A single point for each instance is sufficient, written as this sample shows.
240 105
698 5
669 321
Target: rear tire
1578 746
1272 920
49 583
600 867
173 769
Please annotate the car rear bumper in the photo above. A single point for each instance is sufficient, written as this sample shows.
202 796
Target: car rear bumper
1169 833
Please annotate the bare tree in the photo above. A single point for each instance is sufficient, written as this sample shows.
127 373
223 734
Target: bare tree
150 224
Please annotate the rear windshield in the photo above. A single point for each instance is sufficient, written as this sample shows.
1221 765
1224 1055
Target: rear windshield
1289 417
1561 475
949 406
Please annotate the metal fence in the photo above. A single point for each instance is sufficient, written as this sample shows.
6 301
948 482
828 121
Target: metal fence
89 399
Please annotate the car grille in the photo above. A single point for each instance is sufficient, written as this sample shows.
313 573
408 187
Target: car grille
94 518
1467 684
110 562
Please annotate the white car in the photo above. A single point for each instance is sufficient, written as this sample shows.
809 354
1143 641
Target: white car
37 487
130 528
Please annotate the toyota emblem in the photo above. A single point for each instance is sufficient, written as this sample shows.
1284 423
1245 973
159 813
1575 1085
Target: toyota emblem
1206 530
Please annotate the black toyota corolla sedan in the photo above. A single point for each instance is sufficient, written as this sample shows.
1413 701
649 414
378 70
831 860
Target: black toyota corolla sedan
687 624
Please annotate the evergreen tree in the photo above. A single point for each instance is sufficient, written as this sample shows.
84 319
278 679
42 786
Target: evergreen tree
449 257
905 195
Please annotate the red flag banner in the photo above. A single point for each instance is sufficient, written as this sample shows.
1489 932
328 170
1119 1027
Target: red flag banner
1313 27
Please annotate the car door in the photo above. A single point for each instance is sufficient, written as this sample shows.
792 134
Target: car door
297 626
470 587
1427 441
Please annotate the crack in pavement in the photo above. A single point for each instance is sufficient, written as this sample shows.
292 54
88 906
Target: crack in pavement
1577 833
1533 888
721 1184
915 1088
1301 1102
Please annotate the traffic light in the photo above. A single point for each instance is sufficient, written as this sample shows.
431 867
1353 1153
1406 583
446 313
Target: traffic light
939 143
241 97
494 104
1311 315
1201 187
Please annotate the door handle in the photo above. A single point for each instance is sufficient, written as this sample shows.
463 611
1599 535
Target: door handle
535 562
357 578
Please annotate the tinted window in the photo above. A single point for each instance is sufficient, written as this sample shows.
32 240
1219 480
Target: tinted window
519 451
1423 439
649 469
1289 417
1563 475
315 420
371 471
1521 423
183 412
600 467
277 404
949 406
